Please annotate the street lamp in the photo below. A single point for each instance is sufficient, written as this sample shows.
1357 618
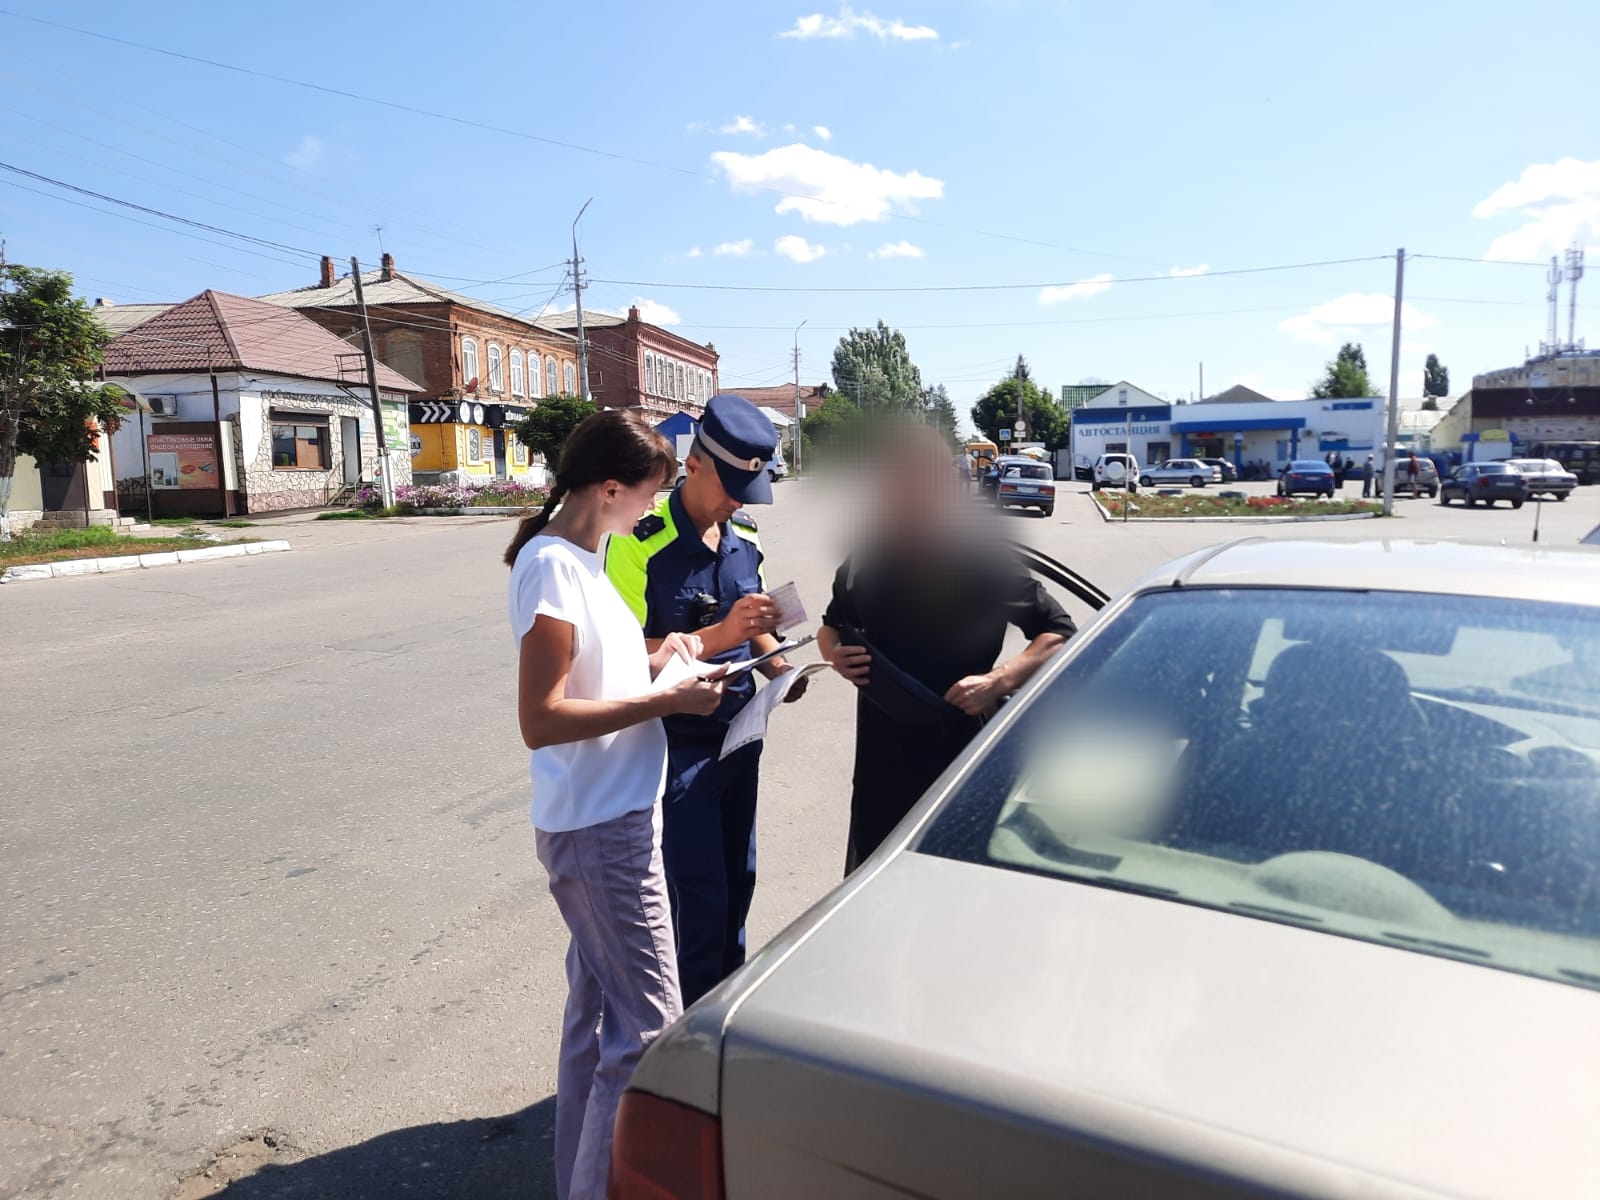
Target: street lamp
799 409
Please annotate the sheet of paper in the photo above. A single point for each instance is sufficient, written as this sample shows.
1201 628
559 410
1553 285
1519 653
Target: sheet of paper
791 611
750 725
677 669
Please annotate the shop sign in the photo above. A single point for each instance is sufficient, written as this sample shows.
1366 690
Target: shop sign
1494 435
180 461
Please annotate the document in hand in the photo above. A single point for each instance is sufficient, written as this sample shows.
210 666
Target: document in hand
679 668
791 611
750 725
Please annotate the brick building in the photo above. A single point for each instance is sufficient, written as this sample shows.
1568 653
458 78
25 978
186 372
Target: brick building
634 364
481 367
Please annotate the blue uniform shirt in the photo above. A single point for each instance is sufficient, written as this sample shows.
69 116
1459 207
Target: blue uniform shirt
664 568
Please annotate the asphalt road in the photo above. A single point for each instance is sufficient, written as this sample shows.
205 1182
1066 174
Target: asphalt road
270 885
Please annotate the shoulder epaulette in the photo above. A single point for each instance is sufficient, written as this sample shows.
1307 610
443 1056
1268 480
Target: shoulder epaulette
649 526
745 520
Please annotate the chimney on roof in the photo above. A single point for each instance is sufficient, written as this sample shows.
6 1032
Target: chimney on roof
387 273
633 314
102 302
327 272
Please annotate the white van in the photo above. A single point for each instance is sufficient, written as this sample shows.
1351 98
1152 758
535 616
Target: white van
1116 470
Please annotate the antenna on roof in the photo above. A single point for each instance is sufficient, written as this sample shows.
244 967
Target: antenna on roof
378 229
1553 278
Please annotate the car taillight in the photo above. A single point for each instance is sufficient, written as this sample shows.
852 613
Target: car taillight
664 1151
1483 481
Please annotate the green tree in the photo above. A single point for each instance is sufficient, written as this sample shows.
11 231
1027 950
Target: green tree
1042 415
546 426
874 369
1346 376
51 345
1435 379
939 411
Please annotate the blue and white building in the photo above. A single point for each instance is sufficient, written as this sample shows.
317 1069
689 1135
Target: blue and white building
1242 426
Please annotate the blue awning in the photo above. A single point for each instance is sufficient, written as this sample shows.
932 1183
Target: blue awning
1238 426
677 423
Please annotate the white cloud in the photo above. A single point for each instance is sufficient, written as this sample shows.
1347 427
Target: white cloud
826 187
739 249
898 250
307 154
849 23
823 132
695 252
1081 290
1347 316
656 313
793 246
743 125
1557 203
1186 272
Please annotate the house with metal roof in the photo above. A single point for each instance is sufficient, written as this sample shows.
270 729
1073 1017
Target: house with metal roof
634 363
246 407
480 365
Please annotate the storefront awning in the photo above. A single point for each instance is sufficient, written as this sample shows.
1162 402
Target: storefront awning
1204 427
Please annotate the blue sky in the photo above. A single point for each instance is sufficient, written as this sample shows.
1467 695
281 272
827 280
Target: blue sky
906 144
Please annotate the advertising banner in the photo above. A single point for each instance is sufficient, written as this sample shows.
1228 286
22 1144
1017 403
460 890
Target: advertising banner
179 461
396 426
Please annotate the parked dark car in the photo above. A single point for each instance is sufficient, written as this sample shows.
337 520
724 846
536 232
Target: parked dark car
1230 473
1487 482
1306 475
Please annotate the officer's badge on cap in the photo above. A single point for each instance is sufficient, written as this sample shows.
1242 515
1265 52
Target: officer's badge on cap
740 441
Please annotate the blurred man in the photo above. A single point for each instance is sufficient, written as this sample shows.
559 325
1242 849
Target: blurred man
932 596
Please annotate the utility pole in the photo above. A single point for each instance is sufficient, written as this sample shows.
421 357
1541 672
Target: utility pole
577 291
1393 424
385 480
799 409
1202 381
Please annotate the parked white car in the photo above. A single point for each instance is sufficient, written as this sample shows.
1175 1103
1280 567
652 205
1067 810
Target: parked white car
1116 470
1181 470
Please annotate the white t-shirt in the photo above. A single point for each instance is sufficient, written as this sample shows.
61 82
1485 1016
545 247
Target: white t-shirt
579 784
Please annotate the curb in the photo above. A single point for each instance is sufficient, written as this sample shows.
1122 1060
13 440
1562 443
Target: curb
112 564
485 510
1108 519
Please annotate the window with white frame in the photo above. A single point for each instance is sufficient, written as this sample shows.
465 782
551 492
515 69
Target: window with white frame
693 393
497 375
570 374
516 372
672 380
705 384
649 371
469 361
682 395
552 383
533 375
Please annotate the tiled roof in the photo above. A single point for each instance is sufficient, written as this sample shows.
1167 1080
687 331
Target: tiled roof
235 333
780 397
398 289
119 318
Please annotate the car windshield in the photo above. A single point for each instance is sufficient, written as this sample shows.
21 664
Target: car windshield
1413 770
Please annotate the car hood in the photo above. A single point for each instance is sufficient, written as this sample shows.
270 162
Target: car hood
951 1029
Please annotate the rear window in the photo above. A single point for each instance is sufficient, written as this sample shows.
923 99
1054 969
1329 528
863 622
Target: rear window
1417 771
1029 471
1495 469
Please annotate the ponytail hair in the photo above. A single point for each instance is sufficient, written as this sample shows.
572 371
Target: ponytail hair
614 443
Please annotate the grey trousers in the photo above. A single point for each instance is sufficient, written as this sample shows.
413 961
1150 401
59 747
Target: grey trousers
622 981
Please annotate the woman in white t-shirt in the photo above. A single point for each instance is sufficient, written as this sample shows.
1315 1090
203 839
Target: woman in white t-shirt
590 714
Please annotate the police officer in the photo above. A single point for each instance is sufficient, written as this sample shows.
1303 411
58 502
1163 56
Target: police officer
694 566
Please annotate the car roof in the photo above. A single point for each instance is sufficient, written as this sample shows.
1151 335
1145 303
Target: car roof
1568 575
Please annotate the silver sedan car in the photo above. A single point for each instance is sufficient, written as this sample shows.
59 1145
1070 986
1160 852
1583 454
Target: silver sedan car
1283 879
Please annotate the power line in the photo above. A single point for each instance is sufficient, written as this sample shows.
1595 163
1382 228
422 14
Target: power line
991 287
156 212
1493 262
577 147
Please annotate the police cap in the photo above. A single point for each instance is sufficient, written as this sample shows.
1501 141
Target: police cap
739 441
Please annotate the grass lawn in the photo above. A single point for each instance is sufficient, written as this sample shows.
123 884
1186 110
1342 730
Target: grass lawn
62 544
187 522
1191 504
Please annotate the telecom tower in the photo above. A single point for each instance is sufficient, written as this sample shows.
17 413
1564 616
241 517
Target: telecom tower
1553 278
1574 273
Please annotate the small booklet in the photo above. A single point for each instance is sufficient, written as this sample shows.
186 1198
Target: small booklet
791 611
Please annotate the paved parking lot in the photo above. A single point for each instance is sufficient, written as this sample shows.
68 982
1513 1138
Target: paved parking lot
268 864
